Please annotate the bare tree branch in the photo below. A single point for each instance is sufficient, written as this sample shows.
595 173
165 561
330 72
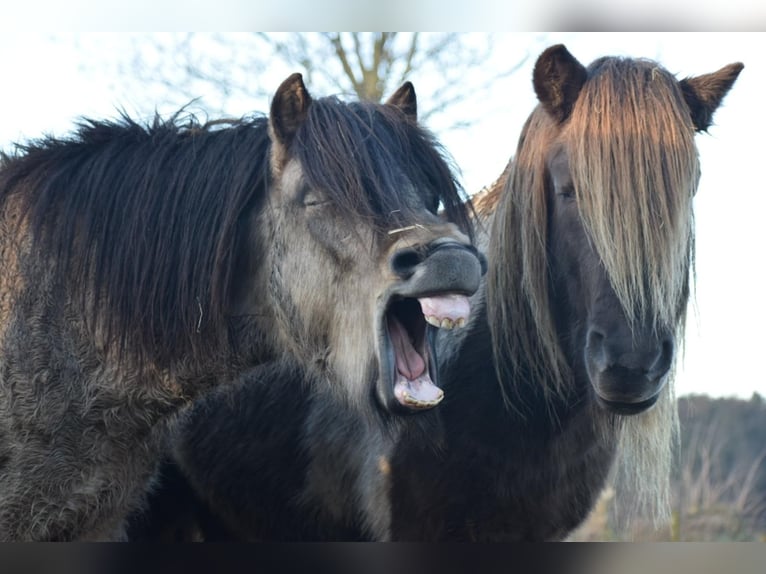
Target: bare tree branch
747 488
340 52
225 68
409 58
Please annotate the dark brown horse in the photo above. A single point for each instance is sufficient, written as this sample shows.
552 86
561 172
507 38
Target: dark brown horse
139 265
590 255
563 374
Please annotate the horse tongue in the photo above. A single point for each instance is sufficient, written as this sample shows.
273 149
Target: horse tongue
408 361
413 386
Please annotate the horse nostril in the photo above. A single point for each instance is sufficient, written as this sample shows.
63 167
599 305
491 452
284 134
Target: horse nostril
404 262
482 262
595 338
596 348
664 359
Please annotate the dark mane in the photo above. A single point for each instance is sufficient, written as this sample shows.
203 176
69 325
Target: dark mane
142 220
144 263
356 152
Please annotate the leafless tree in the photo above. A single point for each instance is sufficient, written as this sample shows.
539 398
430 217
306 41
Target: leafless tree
711 500
231 70
713 503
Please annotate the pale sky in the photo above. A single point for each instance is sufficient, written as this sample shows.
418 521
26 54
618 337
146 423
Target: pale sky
45 87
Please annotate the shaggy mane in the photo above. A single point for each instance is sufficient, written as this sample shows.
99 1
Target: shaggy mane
367 152
140 221
630 133
635 169
640 146
144 222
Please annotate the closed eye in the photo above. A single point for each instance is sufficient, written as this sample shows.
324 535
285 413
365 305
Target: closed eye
313 199
315 202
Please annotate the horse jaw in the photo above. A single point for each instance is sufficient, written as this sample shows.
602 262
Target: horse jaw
408 356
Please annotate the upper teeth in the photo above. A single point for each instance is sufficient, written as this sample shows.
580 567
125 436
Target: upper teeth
446 322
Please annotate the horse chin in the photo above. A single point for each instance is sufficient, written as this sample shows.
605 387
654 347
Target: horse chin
626 391
624 406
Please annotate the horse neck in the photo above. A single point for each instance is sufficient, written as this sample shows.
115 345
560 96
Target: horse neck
523 437
469 374
473 389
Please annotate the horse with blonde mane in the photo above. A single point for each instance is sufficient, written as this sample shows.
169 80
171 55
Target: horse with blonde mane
563 374
591 251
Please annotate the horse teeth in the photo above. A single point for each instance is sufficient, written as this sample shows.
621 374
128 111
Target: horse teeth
413 402
445 323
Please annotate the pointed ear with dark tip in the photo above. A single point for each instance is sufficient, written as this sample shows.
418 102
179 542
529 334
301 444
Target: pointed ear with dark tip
558 78
703 94
289 109
404 98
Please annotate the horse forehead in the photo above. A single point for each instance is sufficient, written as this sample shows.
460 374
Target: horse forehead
557 160
399 189
292 175
410 194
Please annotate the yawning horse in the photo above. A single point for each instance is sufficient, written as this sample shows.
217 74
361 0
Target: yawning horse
141 264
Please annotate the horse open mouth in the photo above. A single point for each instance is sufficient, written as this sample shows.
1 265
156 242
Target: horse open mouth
409 346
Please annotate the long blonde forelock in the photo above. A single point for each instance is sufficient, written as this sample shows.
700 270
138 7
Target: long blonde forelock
635 169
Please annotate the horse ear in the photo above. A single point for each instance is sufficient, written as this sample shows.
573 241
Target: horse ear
558 78
703 94
404 98
289 109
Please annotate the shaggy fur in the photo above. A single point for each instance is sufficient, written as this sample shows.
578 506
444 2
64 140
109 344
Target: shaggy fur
566 366
139 265
297 480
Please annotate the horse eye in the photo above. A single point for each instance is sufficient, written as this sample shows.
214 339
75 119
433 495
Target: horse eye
567 192
313 199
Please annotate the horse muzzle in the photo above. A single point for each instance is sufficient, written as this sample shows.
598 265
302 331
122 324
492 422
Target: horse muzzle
442 266
628 373
435 281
